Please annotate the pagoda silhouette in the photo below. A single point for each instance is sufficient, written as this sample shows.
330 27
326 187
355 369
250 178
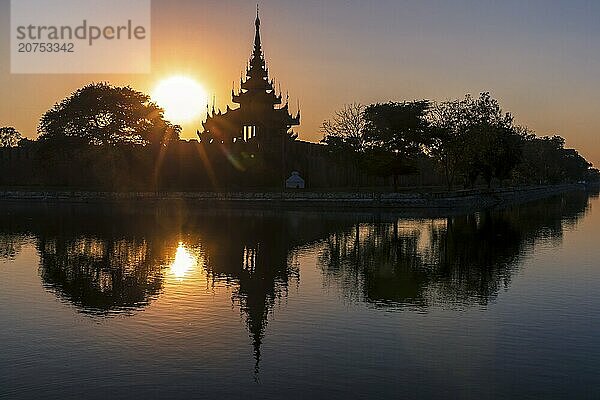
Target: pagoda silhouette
260 120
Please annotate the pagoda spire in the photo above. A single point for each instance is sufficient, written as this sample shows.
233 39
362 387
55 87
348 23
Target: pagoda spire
257 86
257 46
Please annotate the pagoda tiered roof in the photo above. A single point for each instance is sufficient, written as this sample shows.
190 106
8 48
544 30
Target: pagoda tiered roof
259 103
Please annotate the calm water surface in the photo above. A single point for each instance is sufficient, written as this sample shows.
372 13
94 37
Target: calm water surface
106 302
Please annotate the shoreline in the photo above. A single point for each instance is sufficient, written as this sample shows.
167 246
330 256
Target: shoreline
477 198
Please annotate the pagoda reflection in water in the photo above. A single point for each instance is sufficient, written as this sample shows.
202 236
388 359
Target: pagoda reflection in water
108 261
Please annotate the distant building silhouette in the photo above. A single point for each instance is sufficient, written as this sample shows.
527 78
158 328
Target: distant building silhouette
295 181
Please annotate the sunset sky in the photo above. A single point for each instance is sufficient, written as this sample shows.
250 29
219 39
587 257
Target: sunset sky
540 58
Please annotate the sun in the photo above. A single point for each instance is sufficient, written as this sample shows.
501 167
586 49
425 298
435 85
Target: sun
182 98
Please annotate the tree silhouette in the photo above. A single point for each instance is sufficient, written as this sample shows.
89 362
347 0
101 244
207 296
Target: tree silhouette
9 137
470 138
395 135
346 130
449 124
592 175
546 161
344 137
473 137
103 115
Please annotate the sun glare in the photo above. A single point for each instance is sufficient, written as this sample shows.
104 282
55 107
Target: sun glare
182 98
183 263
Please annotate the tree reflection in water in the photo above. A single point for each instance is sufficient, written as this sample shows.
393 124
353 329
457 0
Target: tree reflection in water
10 245
100 275
455 261
108 260
112 260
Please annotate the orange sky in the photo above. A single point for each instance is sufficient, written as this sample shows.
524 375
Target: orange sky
540 59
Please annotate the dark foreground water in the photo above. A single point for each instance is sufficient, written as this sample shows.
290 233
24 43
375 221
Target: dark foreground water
112 303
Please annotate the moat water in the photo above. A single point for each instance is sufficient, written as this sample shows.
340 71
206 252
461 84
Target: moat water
106 302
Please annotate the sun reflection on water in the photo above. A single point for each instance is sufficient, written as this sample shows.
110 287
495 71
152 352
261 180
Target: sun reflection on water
183 263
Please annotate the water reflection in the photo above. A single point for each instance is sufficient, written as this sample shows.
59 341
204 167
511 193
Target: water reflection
254 254
100 275
98 259
456 261
112 260
10 245
183 263
108 261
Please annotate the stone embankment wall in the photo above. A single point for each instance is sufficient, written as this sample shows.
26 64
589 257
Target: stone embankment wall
300 199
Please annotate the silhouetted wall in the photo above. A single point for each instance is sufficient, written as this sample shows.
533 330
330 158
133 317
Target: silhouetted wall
181 166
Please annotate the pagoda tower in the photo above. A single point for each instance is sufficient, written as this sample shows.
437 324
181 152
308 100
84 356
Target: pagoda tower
260 118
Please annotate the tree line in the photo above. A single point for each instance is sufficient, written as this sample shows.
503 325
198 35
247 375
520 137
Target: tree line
111 132
116 138
467 141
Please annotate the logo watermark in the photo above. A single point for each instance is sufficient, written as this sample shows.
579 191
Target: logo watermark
80 36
